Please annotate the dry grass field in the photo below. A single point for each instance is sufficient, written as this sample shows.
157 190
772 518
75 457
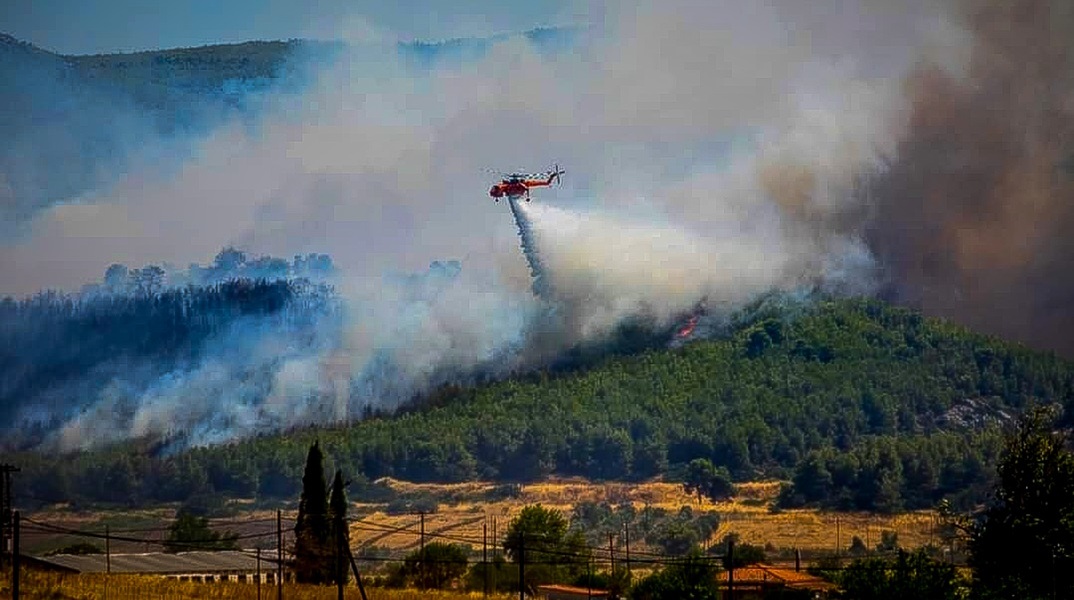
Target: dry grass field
748 515
463 510
52 586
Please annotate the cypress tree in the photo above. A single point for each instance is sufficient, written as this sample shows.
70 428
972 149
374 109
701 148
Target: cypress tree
313 544
337 510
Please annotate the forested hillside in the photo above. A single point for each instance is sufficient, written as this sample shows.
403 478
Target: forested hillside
861 404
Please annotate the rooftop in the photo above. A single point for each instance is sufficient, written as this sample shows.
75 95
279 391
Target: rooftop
572 590
768 575
161 562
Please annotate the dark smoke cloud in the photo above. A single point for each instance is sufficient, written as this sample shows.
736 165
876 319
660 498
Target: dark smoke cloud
973 219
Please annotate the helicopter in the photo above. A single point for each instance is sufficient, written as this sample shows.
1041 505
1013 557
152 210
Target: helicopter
517 185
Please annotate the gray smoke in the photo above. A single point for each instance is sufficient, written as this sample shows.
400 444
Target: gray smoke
718 151
972 220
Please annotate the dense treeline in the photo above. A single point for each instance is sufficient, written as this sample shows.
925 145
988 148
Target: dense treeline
860 404
56 348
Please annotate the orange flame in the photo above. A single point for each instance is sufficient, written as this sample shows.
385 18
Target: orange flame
688 328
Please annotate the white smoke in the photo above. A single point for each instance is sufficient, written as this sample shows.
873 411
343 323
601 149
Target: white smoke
608 268
716 151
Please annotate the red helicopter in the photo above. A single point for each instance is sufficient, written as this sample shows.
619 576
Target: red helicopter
517 185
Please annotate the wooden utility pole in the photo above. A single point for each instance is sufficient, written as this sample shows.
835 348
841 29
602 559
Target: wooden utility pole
522 566
107 559
357 577
589 580
627 539
485 554
838 541
611 556
731 569
279 555
421 577
259 574
15 557
5 507
495 549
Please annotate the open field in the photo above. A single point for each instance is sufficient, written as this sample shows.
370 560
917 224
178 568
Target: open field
748 515
464 509
51 586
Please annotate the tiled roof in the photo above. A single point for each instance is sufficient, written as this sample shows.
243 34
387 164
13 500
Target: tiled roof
163 563
760 574
570 589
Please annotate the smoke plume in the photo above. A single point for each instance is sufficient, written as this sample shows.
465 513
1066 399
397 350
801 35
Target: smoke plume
972 221
718 151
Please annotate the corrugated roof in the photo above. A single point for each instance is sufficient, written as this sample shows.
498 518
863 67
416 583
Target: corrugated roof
162 562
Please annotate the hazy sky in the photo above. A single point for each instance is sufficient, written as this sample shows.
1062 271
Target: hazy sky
97 26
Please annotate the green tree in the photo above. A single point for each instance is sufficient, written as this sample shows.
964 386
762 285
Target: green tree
497 573
436 566
745 554
313 549
889 541
190 532
690 578
675 536
857 547
542 538
1021 546
705 479
908 575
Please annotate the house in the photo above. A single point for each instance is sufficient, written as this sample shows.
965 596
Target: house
569 592
756 581
225 565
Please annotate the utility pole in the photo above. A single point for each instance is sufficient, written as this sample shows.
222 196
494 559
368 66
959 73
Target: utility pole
521 566
495 549
589 580
731 569
611 556
627 538
485 554
838 541
107 559
357 577
15 558
5 507
279 555
422 553
259 574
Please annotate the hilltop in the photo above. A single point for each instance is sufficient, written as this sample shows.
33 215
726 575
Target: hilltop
96 115
862 405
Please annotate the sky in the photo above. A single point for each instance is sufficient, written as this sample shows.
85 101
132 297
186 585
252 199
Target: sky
103 26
